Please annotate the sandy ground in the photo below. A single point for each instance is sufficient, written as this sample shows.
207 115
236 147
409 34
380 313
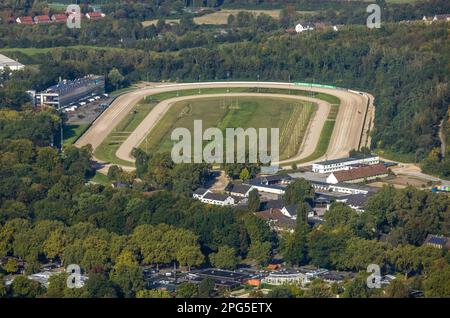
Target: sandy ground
346 134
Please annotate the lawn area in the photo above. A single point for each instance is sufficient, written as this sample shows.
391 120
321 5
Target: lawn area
106 151
290 116
100 178
221 17
73 132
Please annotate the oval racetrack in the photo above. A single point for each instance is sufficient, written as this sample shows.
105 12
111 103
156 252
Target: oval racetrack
348 131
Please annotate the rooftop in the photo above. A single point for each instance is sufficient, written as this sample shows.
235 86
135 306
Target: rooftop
341 160
200 191
360 173
238 188
6 61
216 196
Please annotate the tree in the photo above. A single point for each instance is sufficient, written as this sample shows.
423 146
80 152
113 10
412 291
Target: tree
115 78
127 274
99 286
114 173
206 288
357 288
3 289
318 289
260 252
244 175
22 287
153 293
339 214
253 201
294 245
54 246
280 292
397 289
224 258
436 283
298 191
190 256
187 290
11 266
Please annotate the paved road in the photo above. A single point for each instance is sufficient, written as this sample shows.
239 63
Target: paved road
346 134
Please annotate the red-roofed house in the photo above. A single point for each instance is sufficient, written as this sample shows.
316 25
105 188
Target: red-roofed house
358 174
59 17
42 19
95 15
25 20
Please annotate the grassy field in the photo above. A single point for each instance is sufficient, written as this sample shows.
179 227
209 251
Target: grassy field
106 151
72 132
221 17
290 116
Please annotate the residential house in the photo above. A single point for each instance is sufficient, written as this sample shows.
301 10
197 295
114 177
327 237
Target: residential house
441 242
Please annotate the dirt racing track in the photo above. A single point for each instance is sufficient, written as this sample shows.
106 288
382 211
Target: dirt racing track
353 122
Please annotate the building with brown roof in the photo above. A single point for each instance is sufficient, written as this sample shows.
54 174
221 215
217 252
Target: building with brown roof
358 174
59 17
25 20
42 19
95 15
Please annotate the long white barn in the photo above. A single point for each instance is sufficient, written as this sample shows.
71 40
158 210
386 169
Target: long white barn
343 164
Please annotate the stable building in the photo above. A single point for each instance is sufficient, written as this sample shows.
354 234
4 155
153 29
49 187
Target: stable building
343 164
42 19
358 175
239 190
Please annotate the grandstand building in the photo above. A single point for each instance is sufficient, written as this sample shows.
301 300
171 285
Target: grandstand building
67 93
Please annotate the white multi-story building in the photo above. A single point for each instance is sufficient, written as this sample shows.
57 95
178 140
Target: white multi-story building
343 164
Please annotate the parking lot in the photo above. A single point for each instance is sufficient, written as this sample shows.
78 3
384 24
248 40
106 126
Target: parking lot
87 110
